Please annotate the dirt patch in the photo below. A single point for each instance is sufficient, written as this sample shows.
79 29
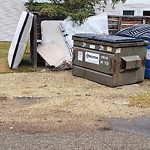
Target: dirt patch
57 101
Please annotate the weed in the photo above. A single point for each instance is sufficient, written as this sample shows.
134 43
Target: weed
141 100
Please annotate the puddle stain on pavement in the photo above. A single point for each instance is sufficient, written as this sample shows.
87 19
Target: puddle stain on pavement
138 125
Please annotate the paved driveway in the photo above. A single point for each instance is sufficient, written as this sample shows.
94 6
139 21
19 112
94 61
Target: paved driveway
97 140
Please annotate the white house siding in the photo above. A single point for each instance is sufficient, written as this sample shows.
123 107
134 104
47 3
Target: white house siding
39 1
137 5
10 11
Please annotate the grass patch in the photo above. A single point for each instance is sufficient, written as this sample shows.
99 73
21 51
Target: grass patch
141 100
25 65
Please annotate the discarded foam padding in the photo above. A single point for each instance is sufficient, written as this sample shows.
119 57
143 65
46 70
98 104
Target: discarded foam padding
97 24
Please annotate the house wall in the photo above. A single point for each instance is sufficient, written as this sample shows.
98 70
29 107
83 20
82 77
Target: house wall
39 1
137 5
10 11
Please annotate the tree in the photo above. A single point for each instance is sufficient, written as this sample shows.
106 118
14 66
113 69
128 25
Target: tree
78 10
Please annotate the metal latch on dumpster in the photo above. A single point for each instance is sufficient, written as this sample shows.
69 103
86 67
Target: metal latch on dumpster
130 62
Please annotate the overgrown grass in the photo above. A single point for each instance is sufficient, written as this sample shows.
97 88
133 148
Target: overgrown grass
25 65
141 100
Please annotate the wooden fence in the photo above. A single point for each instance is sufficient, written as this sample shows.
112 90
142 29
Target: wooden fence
116 23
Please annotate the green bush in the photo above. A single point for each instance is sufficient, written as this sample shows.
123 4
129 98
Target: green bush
78 10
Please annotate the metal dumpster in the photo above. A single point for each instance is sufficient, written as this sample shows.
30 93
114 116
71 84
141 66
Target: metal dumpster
108 59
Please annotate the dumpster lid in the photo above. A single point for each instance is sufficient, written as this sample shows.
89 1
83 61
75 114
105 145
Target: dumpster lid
141 31
107 38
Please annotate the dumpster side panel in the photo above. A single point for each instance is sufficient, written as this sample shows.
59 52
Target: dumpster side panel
92 75
94 60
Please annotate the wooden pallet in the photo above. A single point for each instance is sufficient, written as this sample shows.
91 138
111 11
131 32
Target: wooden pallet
116 23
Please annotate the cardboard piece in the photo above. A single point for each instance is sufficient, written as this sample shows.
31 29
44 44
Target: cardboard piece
54 54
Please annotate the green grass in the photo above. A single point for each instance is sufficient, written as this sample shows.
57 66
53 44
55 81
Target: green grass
25 65
141 100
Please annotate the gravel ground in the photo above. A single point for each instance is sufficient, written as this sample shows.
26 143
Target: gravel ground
57 101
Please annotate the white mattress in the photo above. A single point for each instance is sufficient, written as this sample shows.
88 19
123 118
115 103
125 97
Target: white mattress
50 31
53 47
20 40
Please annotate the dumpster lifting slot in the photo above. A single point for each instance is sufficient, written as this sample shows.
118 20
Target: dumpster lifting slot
130 62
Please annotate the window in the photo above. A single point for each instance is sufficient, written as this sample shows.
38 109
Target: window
128 12
146 13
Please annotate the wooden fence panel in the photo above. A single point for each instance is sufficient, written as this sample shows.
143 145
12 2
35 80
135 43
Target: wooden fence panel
116 23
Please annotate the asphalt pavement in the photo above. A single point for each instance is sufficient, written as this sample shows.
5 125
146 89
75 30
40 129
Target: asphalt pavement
96 140
137 125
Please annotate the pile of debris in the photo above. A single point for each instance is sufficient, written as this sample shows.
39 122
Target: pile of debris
56 46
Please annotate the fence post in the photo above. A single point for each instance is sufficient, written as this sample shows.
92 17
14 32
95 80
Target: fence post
33 42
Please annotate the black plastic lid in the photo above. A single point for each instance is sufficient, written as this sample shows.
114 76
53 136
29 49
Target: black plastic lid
107 38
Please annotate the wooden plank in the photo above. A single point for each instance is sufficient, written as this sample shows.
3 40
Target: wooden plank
119 23
113 26
113 19
33 42
112 23
147 20
132 22
132 19
125 26
113 31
